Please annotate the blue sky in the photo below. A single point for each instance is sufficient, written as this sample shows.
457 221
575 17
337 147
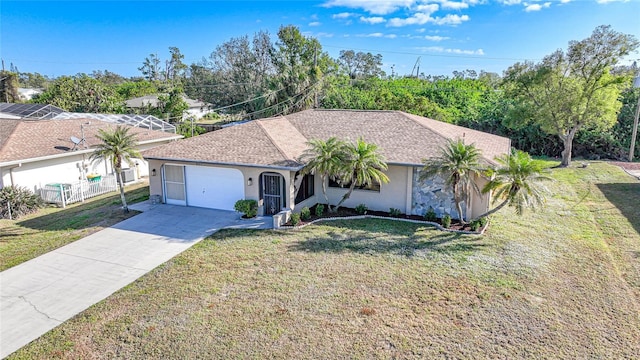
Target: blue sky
64 38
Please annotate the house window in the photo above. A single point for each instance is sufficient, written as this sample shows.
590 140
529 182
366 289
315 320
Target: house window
306 189
374 186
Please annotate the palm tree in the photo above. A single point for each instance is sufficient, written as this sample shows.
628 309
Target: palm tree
363 165
325 160
517 182
456 164
118 145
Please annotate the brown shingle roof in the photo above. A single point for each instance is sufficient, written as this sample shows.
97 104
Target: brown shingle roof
28 139
402 138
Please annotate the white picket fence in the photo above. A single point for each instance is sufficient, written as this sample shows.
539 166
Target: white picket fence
65 194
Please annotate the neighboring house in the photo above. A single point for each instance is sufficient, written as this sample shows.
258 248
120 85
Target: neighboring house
260 160
34 153
196 108
28 93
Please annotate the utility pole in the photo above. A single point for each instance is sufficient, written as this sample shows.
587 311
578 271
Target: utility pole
634 132
315 71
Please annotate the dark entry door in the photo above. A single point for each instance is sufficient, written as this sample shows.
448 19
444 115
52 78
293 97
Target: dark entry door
272 193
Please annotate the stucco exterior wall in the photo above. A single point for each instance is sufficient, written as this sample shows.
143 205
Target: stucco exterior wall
68 169
392 194
251 191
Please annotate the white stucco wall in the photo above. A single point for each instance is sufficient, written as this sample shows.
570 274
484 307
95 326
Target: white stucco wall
68 169
250 191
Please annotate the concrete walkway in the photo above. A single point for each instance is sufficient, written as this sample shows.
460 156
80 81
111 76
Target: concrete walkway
42 293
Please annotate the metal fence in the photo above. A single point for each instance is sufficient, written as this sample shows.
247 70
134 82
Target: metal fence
65 194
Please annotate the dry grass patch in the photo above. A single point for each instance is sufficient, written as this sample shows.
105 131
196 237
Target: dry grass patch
546 285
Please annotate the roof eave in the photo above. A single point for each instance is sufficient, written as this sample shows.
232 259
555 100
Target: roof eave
291 168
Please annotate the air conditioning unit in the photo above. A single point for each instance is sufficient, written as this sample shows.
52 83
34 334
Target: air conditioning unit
128 175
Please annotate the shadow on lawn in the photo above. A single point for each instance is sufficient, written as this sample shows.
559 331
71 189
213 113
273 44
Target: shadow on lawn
405 239
99 211
625 197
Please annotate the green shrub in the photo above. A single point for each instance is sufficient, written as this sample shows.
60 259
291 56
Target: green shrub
319 210
248 207
395 212
20 200
295 219
430 215
446 221
305 213
362 209
477 224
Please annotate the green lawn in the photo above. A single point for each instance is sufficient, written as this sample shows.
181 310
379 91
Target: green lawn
558 283
53 227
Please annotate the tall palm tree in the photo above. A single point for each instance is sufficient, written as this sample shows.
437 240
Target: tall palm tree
325 158
118 145
363 165
517 182
457 164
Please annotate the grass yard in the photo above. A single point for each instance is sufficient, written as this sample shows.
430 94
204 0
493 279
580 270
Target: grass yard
53 227
558 283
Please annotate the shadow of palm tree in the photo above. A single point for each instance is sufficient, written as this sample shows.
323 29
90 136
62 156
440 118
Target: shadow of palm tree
372 236
625 197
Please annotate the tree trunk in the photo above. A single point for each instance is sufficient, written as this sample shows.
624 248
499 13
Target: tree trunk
125 207
324 192
568 146
346 196
459 208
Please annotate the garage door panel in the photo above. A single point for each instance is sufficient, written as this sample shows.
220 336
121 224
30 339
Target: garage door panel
213 187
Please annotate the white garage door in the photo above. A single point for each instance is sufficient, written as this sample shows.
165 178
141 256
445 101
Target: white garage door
213 187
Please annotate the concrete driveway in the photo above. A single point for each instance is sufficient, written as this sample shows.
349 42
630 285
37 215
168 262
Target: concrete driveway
42 293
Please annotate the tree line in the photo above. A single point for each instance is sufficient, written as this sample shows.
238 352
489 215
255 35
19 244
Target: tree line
577 102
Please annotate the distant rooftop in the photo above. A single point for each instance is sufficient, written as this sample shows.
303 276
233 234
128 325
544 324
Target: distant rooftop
152 100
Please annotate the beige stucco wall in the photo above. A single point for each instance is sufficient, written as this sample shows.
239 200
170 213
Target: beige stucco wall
250 191
392 194
479 203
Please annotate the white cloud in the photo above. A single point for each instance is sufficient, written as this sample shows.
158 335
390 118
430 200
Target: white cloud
315 23
535 7
435 38
430 8
450 19
343 15
565 1
421 30
440 49
453 5
609 1
377 7
511 2
373 20
318 34
378 35
426 37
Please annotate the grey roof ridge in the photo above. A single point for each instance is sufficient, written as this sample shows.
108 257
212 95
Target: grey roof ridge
410 117
272 140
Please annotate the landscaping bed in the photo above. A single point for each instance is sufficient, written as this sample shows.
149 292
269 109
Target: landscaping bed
345 212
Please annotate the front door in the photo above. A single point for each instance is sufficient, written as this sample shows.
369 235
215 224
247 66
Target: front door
272 193
174 183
